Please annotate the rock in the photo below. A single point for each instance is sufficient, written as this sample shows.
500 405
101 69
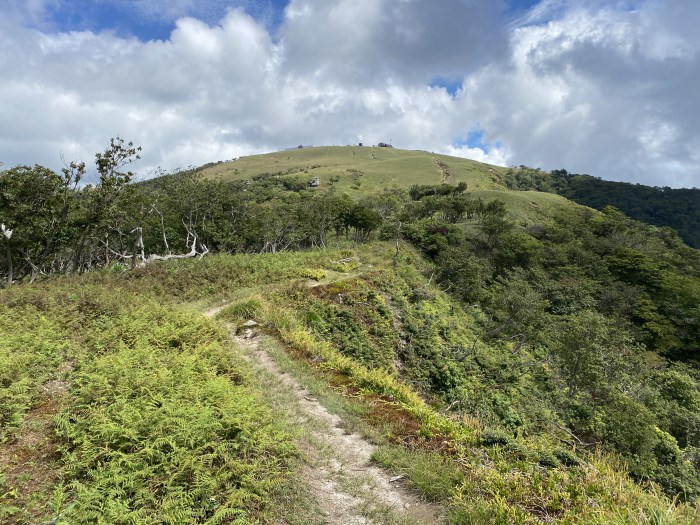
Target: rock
249 324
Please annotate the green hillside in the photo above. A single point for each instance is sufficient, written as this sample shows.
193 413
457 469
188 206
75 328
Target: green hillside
133 389
184 350
359 170
363 171
676 208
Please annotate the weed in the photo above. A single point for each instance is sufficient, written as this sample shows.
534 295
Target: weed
431 473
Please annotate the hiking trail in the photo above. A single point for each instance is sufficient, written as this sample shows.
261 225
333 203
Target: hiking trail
349 489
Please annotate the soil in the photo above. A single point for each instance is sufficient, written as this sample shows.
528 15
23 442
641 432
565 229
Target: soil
28 462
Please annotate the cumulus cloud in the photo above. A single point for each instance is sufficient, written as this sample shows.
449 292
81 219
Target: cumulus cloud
604 90
591 87
361 42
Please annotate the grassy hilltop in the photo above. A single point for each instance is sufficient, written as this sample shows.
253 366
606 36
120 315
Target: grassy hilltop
363 171
359 170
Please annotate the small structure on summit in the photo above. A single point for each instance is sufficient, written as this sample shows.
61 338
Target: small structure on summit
384 145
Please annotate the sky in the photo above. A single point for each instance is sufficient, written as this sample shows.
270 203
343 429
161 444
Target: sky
604 87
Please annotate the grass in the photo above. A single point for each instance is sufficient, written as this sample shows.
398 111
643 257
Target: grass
354 171
32 346
434 475
529 207
359 170
162 423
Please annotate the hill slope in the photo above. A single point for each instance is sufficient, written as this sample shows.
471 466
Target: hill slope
676 208
359 170
153 395
516 357
363 171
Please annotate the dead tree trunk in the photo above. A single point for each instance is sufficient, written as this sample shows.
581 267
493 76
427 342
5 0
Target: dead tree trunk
138 245
6 236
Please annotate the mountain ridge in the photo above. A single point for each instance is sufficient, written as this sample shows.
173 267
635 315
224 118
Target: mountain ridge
362 170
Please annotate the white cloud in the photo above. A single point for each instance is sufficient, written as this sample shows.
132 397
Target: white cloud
364 42
31 11
605 90
497 155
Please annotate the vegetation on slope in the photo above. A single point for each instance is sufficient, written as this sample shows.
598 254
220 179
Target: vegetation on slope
140 362
588 308
558 355
158 422
361 171
357 171
490 473
676 208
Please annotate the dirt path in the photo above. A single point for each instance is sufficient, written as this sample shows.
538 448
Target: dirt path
348 488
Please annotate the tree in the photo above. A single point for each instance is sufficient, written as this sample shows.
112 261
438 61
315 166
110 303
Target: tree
324 213
592 352
362 220
101 203
518 310
463 273
35 204
516 249
391 206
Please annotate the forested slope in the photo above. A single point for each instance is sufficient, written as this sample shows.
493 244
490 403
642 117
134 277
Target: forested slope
676 208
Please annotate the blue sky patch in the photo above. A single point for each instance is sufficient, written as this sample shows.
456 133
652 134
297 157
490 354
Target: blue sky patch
521 5
451 85
122 19
474 139
155 19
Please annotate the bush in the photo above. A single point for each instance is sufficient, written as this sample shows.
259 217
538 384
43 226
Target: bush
247 309
495 436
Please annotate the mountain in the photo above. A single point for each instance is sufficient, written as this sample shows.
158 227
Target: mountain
184 349
361 171
364 171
